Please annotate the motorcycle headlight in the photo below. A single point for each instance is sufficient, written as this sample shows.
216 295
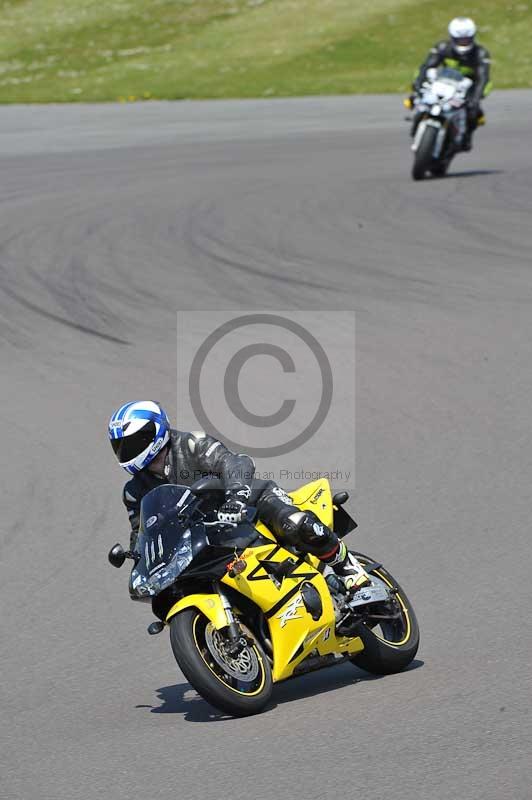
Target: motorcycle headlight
140 585
436 110
164 575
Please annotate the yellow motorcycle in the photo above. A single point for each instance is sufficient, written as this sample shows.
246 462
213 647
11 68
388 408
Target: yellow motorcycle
245 612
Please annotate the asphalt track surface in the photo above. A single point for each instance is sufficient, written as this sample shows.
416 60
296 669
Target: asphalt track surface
111 218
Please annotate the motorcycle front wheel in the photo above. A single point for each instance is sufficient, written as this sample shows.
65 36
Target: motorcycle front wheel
390 645
423 154
239 685
439 169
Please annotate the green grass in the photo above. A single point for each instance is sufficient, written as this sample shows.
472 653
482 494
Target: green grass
84 50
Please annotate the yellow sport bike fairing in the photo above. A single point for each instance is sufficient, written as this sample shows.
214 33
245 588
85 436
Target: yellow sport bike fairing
245 612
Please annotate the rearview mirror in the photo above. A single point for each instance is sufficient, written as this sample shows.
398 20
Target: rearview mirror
116 555
340 498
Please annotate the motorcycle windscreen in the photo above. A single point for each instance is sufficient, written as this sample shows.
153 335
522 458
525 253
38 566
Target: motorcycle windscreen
164 540
450 74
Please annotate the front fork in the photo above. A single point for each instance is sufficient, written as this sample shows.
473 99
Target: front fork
235 636
440 138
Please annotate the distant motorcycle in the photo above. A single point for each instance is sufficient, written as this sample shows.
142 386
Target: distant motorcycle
439 122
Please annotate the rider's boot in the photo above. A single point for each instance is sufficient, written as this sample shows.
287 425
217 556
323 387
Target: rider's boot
351 571
472 125
305 530
467 141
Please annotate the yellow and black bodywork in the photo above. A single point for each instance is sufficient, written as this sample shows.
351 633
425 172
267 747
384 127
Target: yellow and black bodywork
244 611
279 583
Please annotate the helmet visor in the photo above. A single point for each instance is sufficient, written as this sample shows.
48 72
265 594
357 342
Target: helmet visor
129 447
463 41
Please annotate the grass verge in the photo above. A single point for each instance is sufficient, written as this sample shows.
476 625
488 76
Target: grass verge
82 50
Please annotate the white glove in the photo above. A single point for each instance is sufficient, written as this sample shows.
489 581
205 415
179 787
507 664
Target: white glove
232 512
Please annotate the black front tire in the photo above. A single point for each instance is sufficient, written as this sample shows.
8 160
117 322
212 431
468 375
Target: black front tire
394 647
423 155
439 169
192 637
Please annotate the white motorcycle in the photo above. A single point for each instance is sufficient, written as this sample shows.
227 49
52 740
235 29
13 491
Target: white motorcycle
440 121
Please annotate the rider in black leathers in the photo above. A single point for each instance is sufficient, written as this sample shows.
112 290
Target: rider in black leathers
469 58
186 457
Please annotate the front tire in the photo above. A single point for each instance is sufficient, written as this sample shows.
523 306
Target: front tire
423 155
239 686
389 646
439 169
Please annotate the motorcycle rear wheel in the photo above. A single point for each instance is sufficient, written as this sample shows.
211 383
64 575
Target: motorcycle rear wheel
389 646
239 686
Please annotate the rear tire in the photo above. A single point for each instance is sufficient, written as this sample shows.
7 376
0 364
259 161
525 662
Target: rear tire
423 155
395 646
240 686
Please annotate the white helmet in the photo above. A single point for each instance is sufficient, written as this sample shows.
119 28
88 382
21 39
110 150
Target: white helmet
462 31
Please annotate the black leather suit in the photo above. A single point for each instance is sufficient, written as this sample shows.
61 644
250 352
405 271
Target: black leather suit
194 455
474 65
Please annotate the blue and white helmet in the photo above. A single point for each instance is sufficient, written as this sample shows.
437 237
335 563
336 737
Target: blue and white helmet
137 432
